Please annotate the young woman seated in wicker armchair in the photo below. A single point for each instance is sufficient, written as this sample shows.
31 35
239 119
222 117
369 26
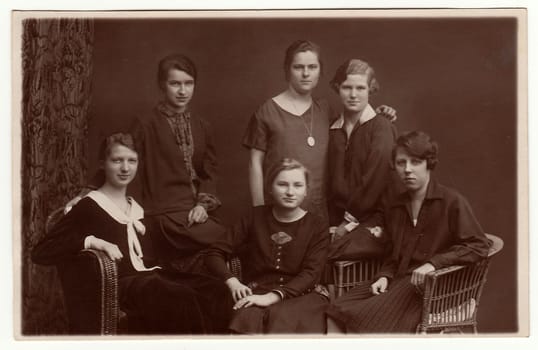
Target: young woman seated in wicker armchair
428 227
156 300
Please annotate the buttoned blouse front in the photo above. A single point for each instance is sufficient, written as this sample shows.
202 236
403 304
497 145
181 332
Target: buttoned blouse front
288 257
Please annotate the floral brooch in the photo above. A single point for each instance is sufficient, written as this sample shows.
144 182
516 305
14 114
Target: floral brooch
281 237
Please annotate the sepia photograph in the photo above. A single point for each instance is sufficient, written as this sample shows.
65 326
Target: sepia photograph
281 173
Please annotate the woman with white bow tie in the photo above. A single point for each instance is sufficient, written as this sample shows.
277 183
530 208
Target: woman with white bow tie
157 301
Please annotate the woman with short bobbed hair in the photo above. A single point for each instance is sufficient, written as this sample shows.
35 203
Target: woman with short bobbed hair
428 226
360 147
178 170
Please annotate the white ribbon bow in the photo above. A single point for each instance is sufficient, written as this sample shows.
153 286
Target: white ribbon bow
134 226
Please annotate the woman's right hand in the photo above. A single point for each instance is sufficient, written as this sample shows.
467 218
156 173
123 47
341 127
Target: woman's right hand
110 249
238 289
380 286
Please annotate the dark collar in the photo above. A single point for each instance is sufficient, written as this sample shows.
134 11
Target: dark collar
166 111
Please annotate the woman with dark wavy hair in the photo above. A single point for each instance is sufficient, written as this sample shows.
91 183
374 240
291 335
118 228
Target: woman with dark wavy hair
428 227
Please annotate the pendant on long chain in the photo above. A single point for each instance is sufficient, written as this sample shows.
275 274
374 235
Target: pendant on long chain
310 141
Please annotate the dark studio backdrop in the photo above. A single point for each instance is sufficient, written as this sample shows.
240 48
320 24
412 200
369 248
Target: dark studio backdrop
453 78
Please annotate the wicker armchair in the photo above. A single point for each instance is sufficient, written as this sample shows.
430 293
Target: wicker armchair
90 288
451 295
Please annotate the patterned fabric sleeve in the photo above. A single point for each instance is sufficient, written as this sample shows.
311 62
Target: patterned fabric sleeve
208 201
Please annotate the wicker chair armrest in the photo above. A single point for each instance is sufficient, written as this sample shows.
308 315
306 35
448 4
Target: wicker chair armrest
444 271
90 285
496 246
452 294
349 273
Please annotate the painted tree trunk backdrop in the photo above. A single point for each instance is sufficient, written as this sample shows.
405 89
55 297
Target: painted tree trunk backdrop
57 68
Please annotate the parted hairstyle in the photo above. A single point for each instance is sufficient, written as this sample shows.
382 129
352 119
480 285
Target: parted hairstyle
355 66
177 61
115 139
420 145
283 165
119 138
301 46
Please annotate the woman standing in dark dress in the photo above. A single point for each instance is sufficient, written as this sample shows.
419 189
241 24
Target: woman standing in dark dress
178 169
283 250
429 226
360 146
156 301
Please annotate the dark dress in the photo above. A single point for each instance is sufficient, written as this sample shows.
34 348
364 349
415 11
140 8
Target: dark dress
168 189
360 171
156 301
447 233
360 167
287 257
281 134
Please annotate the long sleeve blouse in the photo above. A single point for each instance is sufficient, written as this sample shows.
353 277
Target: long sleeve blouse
288 257
86 218
447 232
360 166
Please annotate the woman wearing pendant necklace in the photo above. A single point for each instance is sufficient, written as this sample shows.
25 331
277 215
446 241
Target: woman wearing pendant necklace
360 149
293 124
428 227
157 301
283 250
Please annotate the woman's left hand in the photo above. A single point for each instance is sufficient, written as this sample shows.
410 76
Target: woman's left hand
197 215
388 112
417 278
262 300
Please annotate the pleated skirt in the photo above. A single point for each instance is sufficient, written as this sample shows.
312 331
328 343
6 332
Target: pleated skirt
398 310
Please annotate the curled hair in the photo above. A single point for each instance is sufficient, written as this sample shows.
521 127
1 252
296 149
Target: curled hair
355 66
175 61
420 145
301 46
115 139
283 165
